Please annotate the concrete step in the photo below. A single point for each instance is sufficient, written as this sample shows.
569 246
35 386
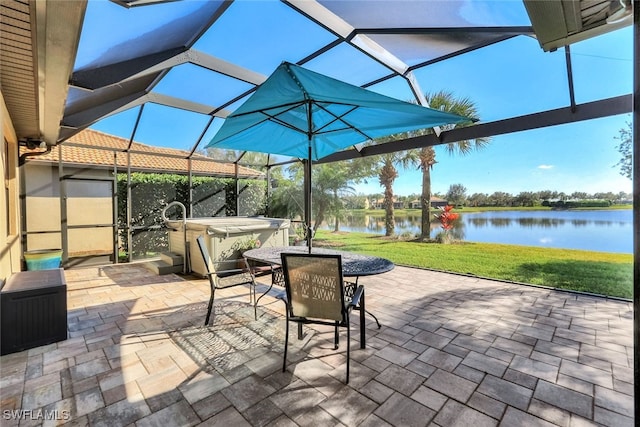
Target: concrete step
161 268
171 258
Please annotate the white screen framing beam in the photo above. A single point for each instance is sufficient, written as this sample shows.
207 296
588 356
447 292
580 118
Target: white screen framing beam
592 110
121 72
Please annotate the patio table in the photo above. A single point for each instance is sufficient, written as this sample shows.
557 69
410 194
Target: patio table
354 265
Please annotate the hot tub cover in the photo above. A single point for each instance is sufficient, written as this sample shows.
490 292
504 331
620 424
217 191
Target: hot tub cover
231 224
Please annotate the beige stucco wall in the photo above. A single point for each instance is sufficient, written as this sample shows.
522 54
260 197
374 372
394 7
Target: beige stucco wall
87 203
10 246
90 203
42 206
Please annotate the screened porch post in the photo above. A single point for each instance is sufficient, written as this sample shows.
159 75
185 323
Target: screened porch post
636 210
190 192
309 170
116 251
307 199
268 191
129 199
129 232
237 187
64 223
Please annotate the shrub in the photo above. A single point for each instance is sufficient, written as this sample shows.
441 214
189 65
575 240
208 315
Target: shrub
575 204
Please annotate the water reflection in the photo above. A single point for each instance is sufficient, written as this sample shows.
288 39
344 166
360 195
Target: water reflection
539 222
609 231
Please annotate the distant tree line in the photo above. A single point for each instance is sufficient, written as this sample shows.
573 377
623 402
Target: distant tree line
457 196
538 198
543 198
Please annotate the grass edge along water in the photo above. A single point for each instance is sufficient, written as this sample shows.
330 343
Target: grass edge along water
601 273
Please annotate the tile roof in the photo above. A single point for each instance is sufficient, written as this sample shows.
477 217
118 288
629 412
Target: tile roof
91 147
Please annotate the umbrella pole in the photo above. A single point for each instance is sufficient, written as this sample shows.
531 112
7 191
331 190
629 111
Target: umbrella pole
307 200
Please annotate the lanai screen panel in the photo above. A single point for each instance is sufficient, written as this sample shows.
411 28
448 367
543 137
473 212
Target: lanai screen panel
418 32
208 57
174 25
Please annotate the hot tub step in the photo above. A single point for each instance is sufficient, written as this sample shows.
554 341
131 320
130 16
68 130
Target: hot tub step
171 258
161 267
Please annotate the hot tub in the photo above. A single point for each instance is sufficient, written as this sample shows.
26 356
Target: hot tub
224 236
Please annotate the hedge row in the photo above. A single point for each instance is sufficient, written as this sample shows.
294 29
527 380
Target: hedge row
150 193
574 204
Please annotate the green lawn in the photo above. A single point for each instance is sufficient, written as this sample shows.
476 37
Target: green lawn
595 272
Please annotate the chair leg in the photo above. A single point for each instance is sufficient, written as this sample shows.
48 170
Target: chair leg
255 301
255 297
363 338
348 346
286 344
375 318
213 293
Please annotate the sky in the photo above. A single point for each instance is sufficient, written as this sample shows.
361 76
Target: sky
567 158
571 157
506 79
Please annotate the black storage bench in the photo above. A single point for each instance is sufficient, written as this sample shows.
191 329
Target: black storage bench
33 308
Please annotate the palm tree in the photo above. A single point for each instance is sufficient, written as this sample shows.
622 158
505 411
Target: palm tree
286 198
331 181
387 175
625 148
445 101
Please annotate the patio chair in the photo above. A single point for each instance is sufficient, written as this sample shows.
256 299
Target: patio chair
315 294
221 277
277 276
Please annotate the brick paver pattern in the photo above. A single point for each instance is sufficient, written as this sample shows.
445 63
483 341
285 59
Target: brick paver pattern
452 351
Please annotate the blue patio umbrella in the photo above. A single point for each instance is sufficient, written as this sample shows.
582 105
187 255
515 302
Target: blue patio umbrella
304 114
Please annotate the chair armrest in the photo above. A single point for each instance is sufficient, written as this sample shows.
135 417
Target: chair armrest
355 300
232 277
223 272
231 261
262 269
234 272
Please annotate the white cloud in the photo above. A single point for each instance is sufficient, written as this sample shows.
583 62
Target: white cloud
545 167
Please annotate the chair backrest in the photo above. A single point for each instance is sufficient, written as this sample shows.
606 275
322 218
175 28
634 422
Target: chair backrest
314 285
205 254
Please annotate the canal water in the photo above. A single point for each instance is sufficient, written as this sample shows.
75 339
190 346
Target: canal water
598 230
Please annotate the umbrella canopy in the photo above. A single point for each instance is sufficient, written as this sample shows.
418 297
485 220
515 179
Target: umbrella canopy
303 114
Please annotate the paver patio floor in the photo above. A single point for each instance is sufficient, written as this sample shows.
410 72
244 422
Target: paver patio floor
452 351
